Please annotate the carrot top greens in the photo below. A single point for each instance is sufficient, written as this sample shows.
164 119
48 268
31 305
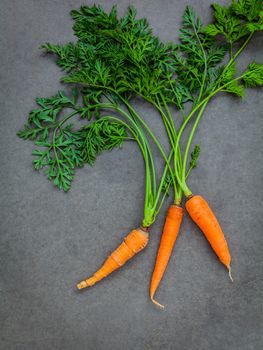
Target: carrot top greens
116 59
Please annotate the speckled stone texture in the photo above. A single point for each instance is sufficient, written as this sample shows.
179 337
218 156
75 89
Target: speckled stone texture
50 240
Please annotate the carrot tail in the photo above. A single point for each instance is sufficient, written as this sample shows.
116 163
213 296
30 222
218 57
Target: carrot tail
170 232
230 274
204 217
132 244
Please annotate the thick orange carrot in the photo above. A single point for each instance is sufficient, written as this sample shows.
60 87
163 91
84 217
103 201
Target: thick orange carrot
170 232
131 245
204 217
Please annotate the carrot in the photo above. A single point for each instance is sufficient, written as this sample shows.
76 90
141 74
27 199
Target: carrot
204 217
132 244
170 232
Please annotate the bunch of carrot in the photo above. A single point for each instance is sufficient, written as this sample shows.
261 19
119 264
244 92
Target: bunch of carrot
201 214
118 59
196 206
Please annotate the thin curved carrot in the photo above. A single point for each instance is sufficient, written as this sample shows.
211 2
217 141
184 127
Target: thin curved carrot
172 225
132 244
204 217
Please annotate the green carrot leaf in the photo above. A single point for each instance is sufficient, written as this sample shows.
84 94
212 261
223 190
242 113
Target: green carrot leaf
226 23
43 119
249 9
194 156
231 85
99 136
61 158
168 180
253 75
237 20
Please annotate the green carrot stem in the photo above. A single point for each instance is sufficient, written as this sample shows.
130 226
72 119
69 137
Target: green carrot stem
190 142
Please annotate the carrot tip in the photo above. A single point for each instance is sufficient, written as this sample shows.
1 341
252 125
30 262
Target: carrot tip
229 274
82 285
156 303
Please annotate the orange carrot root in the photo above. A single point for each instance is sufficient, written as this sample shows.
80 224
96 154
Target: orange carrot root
170 232
132 244
203 216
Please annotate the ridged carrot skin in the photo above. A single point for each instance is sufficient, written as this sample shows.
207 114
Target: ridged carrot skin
171 229
132 244
204 217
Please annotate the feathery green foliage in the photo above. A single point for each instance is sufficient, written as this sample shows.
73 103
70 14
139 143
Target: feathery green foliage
115 59
62 149
61 157
237 20
99 136
43 119
194 156
253 75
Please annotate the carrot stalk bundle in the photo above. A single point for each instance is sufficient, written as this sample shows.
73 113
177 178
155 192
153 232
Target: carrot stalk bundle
172 225
132 244
204 217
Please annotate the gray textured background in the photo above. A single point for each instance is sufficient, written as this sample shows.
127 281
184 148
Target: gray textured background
51 240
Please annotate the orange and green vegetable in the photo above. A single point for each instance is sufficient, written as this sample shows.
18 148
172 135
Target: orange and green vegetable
114 61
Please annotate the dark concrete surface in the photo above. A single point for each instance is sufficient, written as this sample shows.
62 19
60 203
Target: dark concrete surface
50 240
